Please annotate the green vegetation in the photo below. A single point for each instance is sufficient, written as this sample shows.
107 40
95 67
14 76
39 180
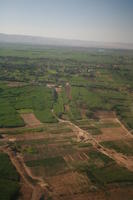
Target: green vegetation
25 111
30 150
125 147
99 81
15 101
34 142
110 174
83 145
24 130
8 115
9 185
52 165
97 155
72 84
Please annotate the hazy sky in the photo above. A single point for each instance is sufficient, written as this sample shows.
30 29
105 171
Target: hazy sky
93 20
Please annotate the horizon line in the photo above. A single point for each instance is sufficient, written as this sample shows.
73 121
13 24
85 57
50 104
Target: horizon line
70 39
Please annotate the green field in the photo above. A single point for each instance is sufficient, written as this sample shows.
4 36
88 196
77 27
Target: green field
111 174
125 147
52 165
9 179
99 81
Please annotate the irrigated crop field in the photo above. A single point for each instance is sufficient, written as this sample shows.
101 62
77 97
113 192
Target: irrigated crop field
66 120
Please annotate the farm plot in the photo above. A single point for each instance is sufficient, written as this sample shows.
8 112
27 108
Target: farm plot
42 149
76 157
103 171
51 140
111 128
109 134
24 101
27 136
47 158
52 165
121 146
95 126
30 120
105 115
111 174
64 182
68 185
72 169
15 84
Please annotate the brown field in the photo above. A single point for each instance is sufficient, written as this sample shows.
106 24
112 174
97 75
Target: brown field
58 89
112 193
105 114
67 108
83 112
68 90
28 136
110 134
66 186
16 84
30 120
76 157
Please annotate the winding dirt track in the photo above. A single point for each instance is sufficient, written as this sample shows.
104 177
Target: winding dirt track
83 135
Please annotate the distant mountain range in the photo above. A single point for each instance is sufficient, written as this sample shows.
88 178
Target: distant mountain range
35 40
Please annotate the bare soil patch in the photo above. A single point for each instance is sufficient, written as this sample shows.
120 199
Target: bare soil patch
66 185
105 114
108 120
83 112
67 108
114 193
25 191
28 136
16 84
76 157
68 91
30 120
110 134
58 89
